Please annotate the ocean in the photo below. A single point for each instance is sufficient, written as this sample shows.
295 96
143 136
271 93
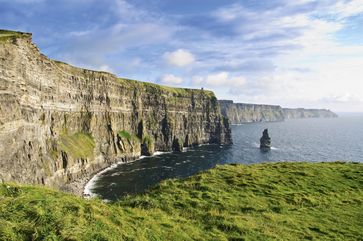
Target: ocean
313 140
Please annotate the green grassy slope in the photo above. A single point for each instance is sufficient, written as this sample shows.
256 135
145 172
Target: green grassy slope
284 201
8 34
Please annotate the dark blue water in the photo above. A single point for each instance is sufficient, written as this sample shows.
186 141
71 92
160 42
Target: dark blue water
294 140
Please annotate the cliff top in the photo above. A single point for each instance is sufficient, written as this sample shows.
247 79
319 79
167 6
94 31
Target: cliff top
130 83
267 105
246 104
163 88
306 109
8 34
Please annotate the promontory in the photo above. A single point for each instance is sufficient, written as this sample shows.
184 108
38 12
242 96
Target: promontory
60 124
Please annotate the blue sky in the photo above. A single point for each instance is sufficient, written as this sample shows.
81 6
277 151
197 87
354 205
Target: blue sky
301 53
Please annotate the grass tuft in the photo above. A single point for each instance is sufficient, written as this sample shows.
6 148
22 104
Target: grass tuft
124 134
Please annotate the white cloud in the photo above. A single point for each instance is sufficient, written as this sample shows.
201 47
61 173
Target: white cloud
170 79
179 58
348 8
221 79
271 46
106 68
218 79
128 13
335 85
295 35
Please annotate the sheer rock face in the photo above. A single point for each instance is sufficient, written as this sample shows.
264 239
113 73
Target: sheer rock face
60 124
239 113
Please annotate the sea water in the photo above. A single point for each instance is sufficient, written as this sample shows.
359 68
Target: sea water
313 140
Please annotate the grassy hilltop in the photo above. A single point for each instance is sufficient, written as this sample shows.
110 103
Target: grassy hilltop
284 201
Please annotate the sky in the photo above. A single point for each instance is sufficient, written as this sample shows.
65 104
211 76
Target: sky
301 53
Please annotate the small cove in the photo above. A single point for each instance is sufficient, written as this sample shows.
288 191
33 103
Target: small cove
293 140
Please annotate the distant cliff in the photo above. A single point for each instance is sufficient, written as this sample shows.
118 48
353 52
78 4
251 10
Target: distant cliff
239 113
290 113
60 124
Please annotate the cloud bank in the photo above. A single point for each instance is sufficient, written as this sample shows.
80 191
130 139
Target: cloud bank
294 53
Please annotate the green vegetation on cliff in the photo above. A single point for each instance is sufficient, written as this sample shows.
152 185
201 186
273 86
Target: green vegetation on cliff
162 88
124 134
284 201
78 145
129 137
148 142
7 34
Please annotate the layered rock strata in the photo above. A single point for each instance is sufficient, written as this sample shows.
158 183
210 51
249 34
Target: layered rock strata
291 113
60 124
239 113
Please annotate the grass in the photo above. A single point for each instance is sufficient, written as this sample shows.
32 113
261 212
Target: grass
78 145
154 88
131 138
147 147
124 134
277 201
8 34
148 141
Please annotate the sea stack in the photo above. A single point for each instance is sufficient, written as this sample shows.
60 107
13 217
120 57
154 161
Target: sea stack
265 141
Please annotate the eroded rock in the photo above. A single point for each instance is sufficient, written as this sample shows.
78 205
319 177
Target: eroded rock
265 141
80 121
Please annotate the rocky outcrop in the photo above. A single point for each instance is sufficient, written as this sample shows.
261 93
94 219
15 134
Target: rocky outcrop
60 124
239 113
265 141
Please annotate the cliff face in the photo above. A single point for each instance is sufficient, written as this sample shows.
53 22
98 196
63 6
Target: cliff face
239 113
60 124
290 113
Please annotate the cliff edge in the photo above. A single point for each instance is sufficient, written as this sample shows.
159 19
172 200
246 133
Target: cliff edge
239 113
60 124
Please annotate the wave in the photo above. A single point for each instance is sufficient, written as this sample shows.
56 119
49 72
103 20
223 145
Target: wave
91 184
255 144
158 153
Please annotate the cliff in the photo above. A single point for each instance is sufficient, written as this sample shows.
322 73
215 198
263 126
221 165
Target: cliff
239 113
60 124
290 113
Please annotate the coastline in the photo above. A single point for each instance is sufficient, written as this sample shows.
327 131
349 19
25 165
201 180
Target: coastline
83 187
251 201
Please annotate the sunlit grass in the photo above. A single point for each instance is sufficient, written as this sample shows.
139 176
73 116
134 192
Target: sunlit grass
8 34
78 145
282 201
